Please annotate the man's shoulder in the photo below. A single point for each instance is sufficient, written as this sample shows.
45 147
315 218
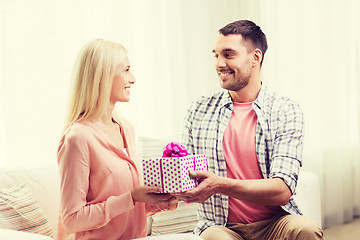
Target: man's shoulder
286 103
214 99
276 101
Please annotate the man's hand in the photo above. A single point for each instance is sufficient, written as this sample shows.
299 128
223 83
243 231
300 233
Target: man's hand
208 185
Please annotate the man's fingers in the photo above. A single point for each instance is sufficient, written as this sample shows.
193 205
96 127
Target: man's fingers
197 174
188 194
192 173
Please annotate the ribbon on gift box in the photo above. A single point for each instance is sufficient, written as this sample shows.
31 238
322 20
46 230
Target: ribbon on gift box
162 176
174 149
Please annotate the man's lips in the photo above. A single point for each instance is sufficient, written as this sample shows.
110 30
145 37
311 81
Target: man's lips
224 74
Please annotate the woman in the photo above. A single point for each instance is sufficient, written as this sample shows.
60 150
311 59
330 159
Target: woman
101 196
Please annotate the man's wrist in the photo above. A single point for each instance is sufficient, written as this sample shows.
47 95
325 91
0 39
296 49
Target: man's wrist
224 185
220 185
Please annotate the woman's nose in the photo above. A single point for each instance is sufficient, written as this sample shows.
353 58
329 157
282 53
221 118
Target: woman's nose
132 79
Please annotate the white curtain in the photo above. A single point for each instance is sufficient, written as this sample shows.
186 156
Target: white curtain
3 149
169 44
313 57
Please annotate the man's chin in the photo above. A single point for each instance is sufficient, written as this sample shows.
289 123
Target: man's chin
233 88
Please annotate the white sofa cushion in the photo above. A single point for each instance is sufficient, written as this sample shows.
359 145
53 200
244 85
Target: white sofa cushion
7 234
20 211
43 182
308 195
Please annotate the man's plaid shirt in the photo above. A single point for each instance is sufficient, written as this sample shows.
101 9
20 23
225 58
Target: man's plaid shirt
279 144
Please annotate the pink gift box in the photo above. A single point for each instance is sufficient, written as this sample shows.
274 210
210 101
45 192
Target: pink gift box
172 173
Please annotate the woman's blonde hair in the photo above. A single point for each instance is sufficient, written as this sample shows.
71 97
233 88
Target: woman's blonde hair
92 79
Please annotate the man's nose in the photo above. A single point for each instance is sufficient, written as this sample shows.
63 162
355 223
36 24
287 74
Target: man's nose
220 62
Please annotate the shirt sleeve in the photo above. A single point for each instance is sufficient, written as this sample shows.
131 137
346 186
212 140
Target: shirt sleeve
288 145
76 213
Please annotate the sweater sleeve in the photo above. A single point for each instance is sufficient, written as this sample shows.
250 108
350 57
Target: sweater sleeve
76 213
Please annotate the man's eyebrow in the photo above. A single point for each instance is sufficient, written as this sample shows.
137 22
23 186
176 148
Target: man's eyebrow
224 50
228 50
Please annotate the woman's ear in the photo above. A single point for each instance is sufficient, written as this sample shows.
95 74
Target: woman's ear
257 57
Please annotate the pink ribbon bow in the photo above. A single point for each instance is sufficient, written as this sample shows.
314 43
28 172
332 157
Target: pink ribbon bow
174 149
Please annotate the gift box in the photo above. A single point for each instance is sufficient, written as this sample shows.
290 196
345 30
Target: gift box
172 173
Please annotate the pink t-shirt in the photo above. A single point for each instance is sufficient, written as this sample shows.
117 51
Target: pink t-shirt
241 163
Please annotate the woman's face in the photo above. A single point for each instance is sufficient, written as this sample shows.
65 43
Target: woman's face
122 81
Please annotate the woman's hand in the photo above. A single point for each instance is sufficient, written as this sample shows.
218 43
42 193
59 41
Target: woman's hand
151 195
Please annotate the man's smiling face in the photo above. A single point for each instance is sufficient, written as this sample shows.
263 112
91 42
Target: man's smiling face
233 62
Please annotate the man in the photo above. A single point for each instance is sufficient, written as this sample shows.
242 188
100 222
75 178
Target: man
253 139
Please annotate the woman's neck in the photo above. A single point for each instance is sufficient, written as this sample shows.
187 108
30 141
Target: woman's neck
106 118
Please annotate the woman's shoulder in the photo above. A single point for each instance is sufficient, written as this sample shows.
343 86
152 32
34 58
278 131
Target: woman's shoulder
79 131
77 135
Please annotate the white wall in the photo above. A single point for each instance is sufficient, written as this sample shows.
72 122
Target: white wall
169 45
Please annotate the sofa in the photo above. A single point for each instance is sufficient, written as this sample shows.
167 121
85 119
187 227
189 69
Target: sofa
40 183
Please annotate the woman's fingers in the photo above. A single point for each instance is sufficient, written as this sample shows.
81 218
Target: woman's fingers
153 189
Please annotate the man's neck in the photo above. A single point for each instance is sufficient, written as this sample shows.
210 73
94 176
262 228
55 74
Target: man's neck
247 94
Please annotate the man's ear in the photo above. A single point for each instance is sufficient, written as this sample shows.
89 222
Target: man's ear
257 57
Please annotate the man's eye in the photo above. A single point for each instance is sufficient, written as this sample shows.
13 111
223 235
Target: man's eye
229 55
